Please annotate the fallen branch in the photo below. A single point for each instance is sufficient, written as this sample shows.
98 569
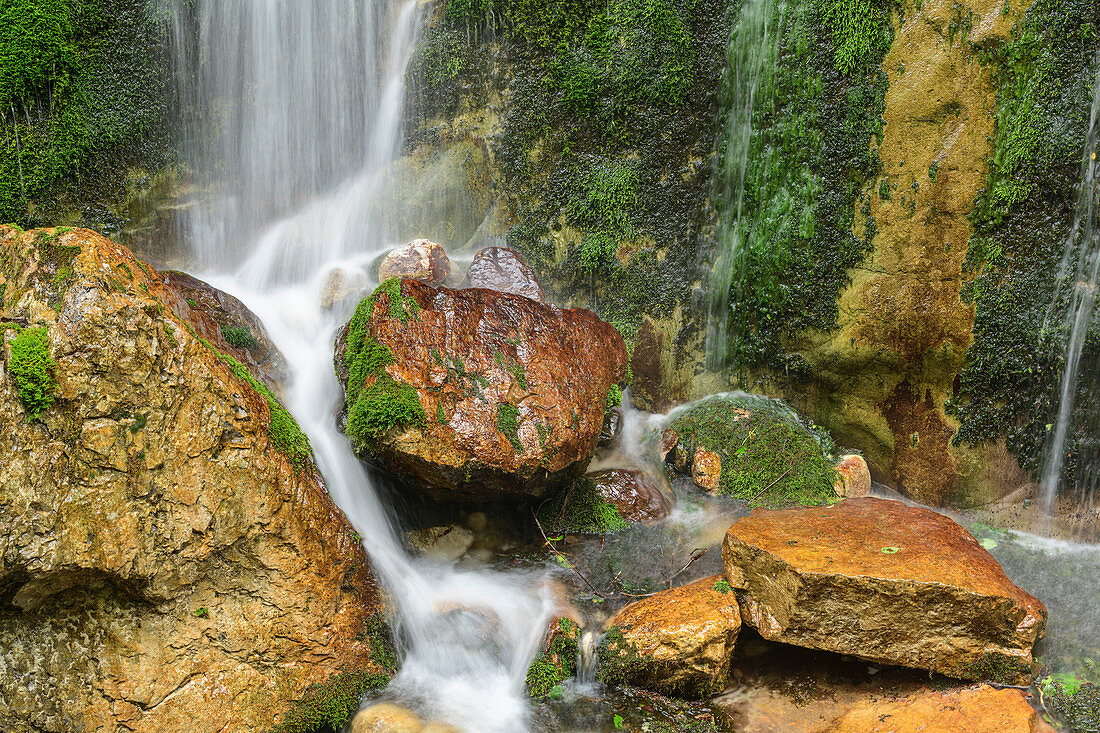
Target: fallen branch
545 539
695 555
773 483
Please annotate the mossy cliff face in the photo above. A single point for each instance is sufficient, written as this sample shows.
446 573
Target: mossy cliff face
172 560
882 376
84 137
594 123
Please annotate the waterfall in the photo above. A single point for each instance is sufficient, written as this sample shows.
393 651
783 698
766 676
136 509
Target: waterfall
755 45
294 112
1078 278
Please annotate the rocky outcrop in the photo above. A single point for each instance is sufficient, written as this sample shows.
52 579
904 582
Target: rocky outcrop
475 394
976 710
420 260
170 559
634 494
677 642
884 582
504 270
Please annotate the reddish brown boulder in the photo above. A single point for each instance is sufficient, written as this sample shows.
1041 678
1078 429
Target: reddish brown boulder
476 394
976 710
885 582
633 493
227 324
706 470
420 260
854 478
504 270
678 641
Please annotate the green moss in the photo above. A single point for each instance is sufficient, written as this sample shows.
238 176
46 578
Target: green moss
386 403
614 396
619 662
769 457
508 424
1075 703
33 370
556 664
383 648
810 154
581 509
513 366
81 88
722 586
1009 387
329 705
239 336
996 668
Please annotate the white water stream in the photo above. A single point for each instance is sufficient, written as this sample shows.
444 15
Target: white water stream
1079 272
298 111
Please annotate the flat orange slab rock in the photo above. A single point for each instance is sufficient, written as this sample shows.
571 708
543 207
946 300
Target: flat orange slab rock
883 581
982 709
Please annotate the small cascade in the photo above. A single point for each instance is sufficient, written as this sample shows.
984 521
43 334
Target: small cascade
587 659
755 45
306 102
1078 279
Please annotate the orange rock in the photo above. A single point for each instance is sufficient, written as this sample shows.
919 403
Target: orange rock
855 477
885 582
677 642
977 710
386 717
420 259
706 470
514 391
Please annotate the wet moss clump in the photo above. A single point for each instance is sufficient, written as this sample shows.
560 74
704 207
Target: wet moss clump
383 646
83 96
327 706
1022 219
1075 703
385 403
33 370
769 456
508 424
239 336
556 664
581 509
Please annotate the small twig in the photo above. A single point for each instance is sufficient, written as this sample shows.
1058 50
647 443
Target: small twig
549 544
695 555
564 503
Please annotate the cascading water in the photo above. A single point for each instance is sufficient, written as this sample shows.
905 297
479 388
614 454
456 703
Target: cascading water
303 104
1077 281
754 49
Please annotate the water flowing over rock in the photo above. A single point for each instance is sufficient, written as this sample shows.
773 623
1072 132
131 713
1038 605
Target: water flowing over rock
172 560
678 641
420 260
475 394
633 493
505 270
978 710
884 582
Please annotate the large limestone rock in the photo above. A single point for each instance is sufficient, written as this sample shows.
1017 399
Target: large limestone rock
169 558
976 710
419 259
677 642
885 582
475 394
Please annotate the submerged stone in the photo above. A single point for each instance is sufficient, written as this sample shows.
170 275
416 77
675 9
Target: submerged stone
982 709
635 495
884 582
475 394
676 642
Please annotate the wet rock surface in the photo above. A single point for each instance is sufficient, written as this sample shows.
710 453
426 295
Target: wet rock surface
854 479
420 260
637 497
167 565
678 641
509 396
504 270
885 582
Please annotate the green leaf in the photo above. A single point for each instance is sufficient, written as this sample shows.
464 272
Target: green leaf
890 550
618 722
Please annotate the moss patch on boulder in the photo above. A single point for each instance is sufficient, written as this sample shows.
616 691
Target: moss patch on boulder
769 456
33 370
328 705
556 663
581 509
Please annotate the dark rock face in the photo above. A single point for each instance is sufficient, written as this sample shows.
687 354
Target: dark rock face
507 395
885 582
504 270
634 494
